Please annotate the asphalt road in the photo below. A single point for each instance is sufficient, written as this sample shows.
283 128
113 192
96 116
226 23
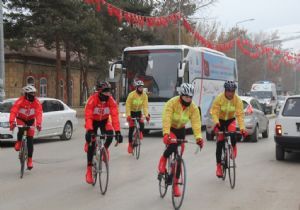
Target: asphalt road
57 180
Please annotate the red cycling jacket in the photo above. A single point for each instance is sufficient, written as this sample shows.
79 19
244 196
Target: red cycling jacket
25 110
101 110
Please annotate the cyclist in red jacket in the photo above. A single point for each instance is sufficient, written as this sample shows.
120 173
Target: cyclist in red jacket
27 111
101 111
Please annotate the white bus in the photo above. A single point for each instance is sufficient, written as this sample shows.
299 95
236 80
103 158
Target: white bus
164 67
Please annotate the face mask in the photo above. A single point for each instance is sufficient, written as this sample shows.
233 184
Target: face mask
184 103
139 92
103 97
29 97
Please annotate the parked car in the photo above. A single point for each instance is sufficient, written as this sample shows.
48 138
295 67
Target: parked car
287 127
280 100
58 120
256 121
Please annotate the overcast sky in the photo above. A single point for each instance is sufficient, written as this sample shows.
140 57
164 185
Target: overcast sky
267 13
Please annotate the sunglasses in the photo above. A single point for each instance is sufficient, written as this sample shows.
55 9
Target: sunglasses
188 96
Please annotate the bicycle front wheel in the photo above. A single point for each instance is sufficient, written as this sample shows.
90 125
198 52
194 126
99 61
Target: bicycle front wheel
103 171
137 144
22 157
179 180
231 167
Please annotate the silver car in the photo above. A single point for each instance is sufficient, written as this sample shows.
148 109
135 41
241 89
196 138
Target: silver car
256 121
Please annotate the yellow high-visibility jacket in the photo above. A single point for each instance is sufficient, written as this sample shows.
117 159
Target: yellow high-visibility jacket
136 102
175 116
225 109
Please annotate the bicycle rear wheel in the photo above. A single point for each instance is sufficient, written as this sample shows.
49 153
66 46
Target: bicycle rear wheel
181 182
95 169
224 162
231 167
162 184
103 171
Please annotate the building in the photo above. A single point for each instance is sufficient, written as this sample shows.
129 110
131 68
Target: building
37 66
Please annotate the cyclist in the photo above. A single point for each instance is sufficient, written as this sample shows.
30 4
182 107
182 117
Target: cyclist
178 111
136 101
27 111
101 111
226 108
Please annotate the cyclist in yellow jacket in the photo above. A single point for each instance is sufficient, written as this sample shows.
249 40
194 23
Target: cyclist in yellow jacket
136 101
178 111
226 109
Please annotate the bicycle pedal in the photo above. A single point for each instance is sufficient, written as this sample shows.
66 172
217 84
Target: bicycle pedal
159 176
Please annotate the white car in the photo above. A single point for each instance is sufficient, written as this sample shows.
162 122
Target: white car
287 127
58 120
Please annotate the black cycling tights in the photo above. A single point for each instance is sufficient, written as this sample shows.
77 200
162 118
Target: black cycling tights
29 141
88 138
131 129
220 144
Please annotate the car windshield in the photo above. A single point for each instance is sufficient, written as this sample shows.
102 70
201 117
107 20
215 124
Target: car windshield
5 107
261 94
292 108
245 104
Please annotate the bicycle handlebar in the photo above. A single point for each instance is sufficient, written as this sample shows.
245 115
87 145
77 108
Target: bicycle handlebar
103 136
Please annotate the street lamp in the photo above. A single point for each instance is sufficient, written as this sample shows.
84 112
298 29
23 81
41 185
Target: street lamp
236 26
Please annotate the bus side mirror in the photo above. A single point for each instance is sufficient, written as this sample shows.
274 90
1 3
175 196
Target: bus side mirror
181 67
112 69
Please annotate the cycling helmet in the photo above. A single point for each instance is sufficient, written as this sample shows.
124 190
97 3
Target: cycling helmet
186 89
138 83
103 86
29 89
230 86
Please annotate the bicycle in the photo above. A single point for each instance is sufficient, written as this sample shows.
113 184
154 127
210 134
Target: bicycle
136 141
175 168
23 153
100 163
227 158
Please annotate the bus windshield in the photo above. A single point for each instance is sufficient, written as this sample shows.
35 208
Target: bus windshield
156 68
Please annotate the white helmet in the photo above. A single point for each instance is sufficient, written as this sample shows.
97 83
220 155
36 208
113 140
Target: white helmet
29 89
138 83
186 89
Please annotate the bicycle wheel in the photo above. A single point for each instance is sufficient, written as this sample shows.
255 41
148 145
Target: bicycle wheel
22 157
181 182
231 167
137 144
95 169
224 162
164 180
103 171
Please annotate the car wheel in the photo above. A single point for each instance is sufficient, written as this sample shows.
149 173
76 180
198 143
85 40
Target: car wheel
265 134
67 132
254 136
279 152
210 136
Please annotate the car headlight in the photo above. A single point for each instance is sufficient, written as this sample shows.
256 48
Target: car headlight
4 124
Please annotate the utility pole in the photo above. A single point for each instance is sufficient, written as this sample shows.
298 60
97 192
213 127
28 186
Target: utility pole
2 66
179 22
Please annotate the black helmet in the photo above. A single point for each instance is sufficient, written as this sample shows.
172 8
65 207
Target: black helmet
230 86
103 86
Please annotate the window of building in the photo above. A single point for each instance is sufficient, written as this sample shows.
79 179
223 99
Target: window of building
43 87
30 81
